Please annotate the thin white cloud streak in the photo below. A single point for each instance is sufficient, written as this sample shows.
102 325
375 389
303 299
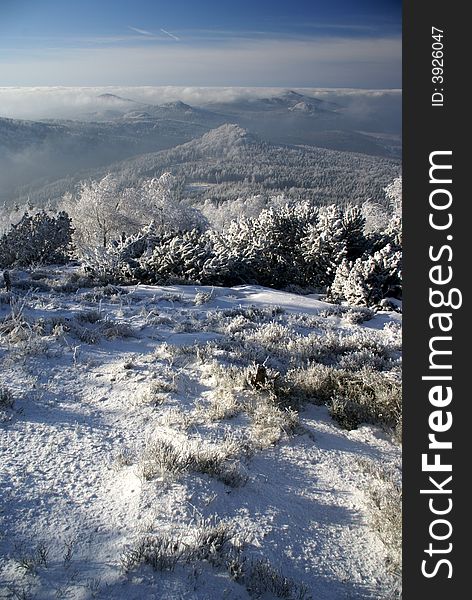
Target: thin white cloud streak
327 62
141 31
171 35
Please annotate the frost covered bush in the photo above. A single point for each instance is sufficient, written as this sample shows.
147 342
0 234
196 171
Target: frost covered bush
218 543
338 234
288 347
289 245
203 297
6 398
209 540
369 397
113 330
37 238
222 404
263 249
261 578
217 459
160 552
365 396
384 493
358 316
180 256
118 261
89 327
270 422
159 241
158 390
30 559
368 280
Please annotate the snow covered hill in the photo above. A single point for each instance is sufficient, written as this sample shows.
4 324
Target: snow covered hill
177 442
110 127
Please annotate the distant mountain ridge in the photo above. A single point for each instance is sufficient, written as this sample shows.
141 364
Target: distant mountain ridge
36 153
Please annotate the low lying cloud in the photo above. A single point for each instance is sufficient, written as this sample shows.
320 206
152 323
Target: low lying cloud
77 102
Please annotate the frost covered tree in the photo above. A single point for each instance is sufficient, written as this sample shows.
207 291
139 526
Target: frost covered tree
380 216
390 232
394 194
367 280
177 256
96 212
121 260
104 211
220 213
337 234
264 249
156 200
377 217
38 238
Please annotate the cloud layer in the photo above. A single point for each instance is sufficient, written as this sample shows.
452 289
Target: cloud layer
75 102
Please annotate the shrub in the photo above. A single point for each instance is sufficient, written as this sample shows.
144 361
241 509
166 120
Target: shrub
161 552
30 559
261 578
365 396
292 245
38 238
384 495
208 540
368 280
218 460
222 405
269 423
158 390
7 399
177 256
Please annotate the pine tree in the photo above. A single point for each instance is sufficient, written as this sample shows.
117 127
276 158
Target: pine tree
39 238
366 281
338 234
178 256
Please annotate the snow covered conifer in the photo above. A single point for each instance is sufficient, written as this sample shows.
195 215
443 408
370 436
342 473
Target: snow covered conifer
38 238
338 234
366 281
323 247
177 255
353 222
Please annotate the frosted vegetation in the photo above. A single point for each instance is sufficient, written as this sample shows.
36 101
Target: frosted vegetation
146 234
198 401
196 442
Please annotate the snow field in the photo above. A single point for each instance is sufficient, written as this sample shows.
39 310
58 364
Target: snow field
142 458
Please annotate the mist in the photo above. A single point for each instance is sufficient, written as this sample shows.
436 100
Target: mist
36 103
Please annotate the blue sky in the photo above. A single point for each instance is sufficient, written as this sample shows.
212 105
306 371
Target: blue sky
330 43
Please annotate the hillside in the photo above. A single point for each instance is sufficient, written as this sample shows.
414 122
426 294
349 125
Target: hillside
230 162
43 151
35 154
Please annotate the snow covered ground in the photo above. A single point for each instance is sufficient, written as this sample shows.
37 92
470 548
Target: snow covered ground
136 437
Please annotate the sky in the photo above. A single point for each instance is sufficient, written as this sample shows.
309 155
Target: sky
315 43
